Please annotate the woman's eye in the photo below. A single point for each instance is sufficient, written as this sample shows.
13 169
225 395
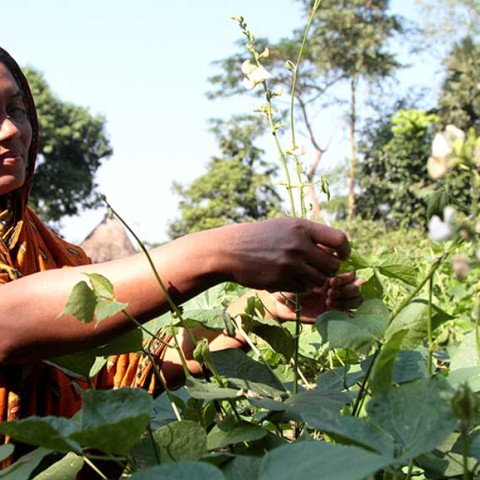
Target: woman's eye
16 111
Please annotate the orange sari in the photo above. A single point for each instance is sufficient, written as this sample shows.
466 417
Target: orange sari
27 246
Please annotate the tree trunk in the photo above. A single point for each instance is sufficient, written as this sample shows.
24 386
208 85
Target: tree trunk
353 150
316 210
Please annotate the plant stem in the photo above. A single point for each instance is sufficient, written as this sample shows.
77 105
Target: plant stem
419 287
363 386
154 444
465 453
94 468
170 302
429 327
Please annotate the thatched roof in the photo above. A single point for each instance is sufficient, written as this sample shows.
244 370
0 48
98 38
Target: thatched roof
108 241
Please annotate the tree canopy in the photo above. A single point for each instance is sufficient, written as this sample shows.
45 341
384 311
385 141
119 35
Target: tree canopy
237 186
73 144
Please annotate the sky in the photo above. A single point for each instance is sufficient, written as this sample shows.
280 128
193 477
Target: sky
144 66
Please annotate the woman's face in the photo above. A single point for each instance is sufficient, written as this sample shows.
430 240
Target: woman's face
15 133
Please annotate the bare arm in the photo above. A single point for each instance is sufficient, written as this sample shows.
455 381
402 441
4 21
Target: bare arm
280 254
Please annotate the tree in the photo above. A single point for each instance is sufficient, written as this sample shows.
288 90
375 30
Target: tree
237 186
73 143
349 41
460 95
393 174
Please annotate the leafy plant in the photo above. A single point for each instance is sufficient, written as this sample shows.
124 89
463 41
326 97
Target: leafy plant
388 391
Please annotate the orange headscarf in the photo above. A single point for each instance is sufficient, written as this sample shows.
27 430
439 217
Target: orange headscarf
27 246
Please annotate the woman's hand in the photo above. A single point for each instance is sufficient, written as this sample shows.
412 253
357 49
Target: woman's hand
341 292
283 254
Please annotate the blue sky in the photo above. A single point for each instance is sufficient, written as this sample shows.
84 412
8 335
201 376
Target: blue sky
143 65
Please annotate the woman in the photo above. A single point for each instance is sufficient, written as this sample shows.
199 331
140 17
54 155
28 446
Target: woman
288 255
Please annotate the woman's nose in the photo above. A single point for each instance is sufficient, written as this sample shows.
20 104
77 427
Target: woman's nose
8 128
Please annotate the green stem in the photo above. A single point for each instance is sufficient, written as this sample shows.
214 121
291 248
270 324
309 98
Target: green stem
160 379
298 313
410 470
292 104
170 302
154 445
429 327
465 453
363 386
419 287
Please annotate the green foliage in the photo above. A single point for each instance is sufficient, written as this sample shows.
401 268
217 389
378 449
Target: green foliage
351 38
73 144
393 169
460 97
238 185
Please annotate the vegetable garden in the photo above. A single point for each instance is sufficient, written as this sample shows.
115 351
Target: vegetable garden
389 391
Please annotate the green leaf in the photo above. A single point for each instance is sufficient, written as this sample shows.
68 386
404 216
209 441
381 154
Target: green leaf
242 467
338 379
204 390
357 333
381 377
213 319
413 318
372 288
25 465
351 429
353 263
90 362
175 442
322 461
48 432
65 469
113 420
410 365
6 450
231 433
81 303
108 308
180 471
311 400
436 203
466 354
244 372
83 364
468 375
101 285
279 338
399 266
418 415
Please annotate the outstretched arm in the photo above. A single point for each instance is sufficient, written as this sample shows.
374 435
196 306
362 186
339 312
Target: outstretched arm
286 254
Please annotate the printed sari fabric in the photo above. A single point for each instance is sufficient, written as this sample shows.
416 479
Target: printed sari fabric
27 246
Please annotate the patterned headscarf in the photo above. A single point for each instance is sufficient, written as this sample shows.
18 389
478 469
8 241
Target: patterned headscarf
26 245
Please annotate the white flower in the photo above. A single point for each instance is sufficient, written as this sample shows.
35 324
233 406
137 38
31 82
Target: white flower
248 67
248 84
255 74
453 134
259 75
440 230
437 167
441 147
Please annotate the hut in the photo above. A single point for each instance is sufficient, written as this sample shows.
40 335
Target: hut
108 241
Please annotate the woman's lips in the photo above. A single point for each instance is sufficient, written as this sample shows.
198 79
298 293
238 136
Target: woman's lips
10 158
